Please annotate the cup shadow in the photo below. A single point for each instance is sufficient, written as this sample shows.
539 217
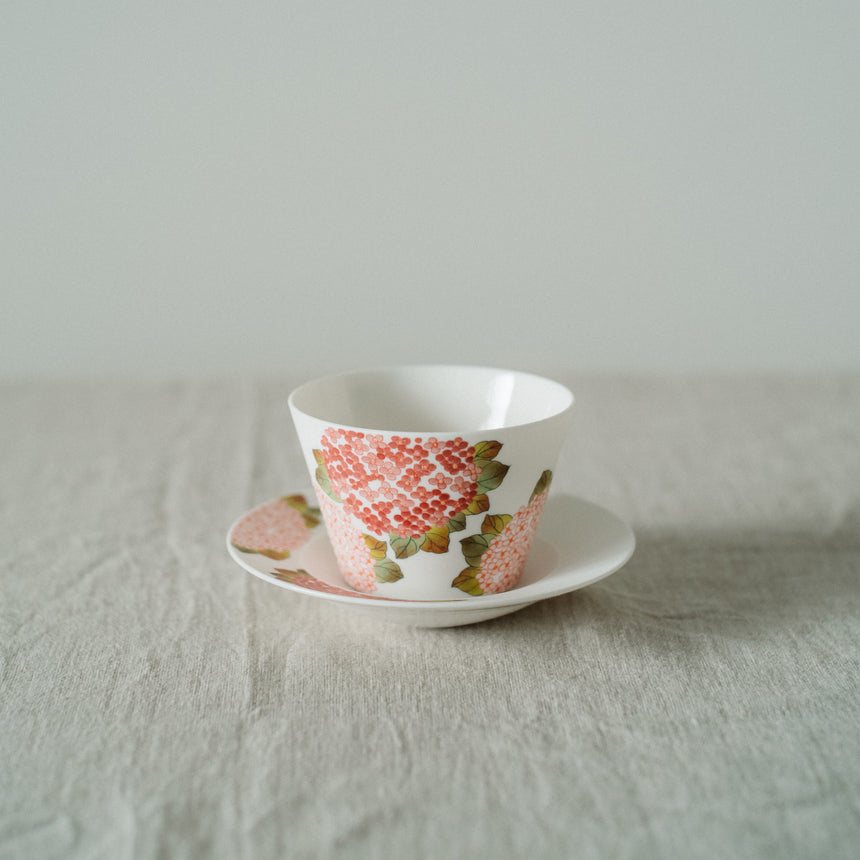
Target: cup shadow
691 586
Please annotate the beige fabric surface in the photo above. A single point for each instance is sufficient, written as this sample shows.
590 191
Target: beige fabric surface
157 701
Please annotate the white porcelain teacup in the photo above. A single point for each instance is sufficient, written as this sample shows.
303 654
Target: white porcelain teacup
431 479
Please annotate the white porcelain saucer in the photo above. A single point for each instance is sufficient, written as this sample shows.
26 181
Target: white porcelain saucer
577 544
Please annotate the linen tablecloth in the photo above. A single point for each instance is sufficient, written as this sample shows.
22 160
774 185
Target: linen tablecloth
158 701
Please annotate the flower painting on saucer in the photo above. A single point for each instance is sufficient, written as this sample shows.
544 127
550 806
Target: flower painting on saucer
276 528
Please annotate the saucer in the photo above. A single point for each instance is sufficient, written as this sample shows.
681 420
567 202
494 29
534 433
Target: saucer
577 544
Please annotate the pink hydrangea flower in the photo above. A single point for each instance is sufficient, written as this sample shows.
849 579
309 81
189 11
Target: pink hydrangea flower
365 481
272 530
502 564
353 556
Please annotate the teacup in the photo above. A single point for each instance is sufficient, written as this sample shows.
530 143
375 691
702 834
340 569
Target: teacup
431 479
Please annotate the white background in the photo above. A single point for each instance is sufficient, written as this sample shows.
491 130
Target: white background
224 187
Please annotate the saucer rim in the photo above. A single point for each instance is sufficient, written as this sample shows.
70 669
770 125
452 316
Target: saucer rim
524 596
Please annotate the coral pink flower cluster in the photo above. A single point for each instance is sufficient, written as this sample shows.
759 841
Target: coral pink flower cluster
503 562
353 556
305 580
274 528
403 486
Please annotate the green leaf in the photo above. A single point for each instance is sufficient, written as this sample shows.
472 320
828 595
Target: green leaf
318 456
387 570
375 547
289 575
494 523
467 582
311 516
436 540
479 504
474 547
275 555
325 484
457 523
543 484
487 450
403 546
492 475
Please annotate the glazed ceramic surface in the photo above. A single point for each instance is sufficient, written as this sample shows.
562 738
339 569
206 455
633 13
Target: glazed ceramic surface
431 480
578 543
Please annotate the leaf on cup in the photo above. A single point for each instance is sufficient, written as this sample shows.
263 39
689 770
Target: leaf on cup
492 475
494 523
436 540
479 504
466 581
485 451
542 484
403 546
457 523
387 570
375 547
323 479
474 547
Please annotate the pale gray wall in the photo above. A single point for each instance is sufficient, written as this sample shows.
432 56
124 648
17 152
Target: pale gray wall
217 187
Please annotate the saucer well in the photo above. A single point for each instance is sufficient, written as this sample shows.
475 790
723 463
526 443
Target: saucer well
578 543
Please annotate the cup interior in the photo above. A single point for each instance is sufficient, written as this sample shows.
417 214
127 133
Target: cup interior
432 399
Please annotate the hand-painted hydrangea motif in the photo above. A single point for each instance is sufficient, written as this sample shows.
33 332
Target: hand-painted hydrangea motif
311 583
276 528
497 556
414 490
362 558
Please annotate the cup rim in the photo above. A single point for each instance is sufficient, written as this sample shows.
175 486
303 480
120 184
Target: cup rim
466 430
